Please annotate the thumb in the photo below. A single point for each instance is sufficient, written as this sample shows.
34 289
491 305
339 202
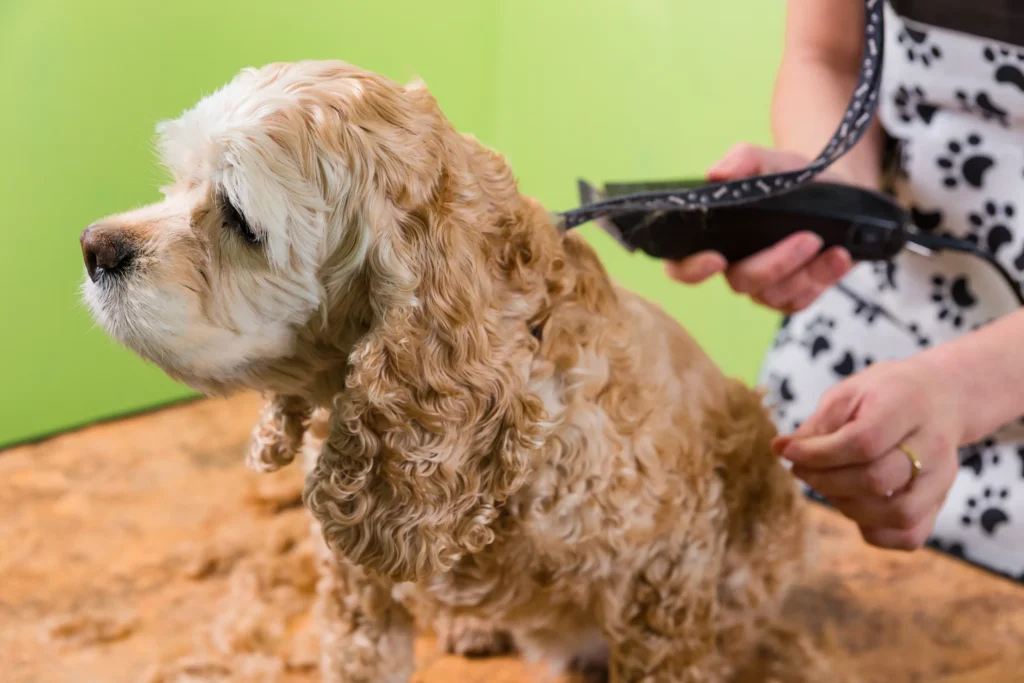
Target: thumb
835 409
740 161
745 160
696 268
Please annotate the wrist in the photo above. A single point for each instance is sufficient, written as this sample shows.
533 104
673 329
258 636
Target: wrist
944 377
974 403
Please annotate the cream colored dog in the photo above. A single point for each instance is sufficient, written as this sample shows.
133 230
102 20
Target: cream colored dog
508 446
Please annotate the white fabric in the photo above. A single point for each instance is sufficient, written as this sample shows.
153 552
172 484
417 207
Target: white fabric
957 103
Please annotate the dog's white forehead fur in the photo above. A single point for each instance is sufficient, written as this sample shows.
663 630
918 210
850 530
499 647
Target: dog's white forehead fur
200 302
227 138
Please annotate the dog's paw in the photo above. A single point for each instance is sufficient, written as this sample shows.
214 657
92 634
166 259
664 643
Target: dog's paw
591 664
468 637
587 671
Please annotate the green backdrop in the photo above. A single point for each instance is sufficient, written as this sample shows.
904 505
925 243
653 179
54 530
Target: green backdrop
629 89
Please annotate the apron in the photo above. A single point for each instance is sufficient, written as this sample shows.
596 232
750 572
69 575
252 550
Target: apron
953 102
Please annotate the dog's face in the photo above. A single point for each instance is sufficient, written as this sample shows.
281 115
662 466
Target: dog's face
278 182
329 237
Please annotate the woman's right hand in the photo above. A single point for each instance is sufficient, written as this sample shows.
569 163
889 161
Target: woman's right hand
787 276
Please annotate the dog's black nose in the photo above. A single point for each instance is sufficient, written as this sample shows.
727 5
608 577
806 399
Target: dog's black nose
105 250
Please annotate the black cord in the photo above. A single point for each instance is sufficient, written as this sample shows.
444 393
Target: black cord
856 121
940 243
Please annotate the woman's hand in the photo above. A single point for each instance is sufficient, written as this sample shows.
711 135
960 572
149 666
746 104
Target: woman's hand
786 277
849 450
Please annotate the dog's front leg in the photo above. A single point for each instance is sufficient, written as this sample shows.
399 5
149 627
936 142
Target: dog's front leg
665 626
366 636
635 663
471 637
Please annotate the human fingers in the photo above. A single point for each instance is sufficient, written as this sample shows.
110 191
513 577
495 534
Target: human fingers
756 273
697 268
909 506
902 539
879 478
876 425
835 409
800 289
744 160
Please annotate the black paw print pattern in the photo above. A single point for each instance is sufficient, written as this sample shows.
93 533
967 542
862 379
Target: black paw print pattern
864 309
990 227
977 326
953 298
850 364
925 221
902 171
885 271
922 339
1009 65
1018 262
977 457
987 512
966 162
816 336
917 46
1020 456
912 104
781 395
784 335
981 104
953 548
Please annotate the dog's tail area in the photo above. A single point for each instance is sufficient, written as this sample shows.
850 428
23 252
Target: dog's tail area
771 547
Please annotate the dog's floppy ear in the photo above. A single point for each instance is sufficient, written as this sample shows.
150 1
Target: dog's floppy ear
277 436
435 428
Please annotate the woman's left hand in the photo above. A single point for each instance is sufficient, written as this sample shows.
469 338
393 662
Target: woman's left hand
851 449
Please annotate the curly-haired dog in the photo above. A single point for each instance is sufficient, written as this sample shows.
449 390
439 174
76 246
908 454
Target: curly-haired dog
509 446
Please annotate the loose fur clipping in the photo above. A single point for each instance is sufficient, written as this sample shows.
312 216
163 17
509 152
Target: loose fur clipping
499 439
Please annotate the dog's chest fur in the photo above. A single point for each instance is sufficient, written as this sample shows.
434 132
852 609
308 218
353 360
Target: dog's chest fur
624 471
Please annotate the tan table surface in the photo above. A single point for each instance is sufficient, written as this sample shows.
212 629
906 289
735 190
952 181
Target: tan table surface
143 550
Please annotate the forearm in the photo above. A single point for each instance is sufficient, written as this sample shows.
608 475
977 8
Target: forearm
810 100
986 369
820 66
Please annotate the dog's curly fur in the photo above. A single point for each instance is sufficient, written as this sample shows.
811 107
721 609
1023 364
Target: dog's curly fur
505 444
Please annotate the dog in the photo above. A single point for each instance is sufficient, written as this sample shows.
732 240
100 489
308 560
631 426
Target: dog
505 445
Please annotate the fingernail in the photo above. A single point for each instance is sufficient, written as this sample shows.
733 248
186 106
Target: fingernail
838 259
791 451
726 164
720 168
709 266
809 246
779 444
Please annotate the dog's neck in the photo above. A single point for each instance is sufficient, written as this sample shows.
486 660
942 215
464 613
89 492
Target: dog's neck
317 369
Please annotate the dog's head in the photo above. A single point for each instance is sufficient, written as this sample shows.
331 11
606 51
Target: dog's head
283 184
321 214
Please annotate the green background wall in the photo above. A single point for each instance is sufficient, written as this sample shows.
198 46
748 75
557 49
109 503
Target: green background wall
629 89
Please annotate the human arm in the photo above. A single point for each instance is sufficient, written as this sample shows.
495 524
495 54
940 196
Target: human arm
942 398
820 65
821 62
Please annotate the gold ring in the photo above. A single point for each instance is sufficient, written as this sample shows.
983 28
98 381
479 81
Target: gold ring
915 464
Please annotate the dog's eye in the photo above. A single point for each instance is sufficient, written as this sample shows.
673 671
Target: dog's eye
235 221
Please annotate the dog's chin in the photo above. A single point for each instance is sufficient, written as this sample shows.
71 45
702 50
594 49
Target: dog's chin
170 334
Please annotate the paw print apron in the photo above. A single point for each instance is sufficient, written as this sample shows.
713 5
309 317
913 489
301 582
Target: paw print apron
953 102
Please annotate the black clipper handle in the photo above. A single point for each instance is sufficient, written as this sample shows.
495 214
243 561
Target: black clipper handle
870 225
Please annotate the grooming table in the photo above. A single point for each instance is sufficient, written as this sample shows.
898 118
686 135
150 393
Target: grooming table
142 549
